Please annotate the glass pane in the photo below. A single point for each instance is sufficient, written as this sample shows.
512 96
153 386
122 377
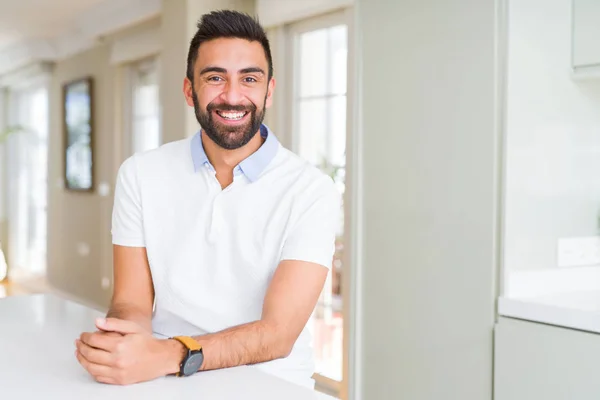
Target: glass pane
321 139
313 59
338 36
326 326
146 124
147 135
312 126
146 100
336 152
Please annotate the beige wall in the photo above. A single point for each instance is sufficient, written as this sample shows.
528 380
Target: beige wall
78 220
174 34
81 219
430 198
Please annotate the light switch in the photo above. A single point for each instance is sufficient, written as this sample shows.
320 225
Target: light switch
104 189
83 249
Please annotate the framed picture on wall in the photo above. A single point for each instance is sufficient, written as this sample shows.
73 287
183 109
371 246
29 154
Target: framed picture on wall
78 123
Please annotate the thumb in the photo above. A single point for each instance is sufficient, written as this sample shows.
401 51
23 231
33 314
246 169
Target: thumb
118 325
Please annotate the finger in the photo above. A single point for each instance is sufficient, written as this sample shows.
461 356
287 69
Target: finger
100 340
105 379
94 369
118 325
94 355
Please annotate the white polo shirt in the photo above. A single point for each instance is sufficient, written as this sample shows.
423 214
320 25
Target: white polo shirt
213 252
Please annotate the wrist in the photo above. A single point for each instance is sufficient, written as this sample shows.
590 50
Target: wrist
174 354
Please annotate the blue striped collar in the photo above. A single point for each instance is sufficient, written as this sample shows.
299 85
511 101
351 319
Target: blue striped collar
252 167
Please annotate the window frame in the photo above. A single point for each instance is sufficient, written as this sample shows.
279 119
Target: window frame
128 106
342 16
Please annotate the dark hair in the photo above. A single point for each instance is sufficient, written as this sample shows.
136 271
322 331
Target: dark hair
227 24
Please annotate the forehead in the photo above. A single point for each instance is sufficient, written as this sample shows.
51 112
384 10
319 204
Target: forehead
231 53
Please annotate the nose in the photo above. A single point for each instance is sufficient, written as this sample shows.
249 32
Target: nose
232 93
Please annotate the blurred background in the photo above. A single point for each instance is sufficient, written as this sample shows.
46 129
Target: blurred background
464 136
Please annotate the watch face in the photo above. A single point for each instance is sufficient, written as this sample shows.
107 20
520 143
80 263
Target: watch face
192 365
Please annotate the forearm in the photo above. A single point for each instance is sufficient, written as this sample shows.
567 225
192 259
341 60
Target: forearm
130 312
246 344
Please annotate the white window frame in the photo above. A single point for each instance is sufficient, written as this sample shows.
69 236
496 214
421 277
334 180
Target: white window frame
130 81
12 87
344 389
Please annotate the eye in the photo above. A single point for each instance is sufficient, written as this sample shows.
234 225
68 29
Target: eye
250 79
215 78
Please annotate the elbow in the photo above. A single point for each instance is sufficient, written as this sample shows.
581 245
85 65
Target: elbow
281 342
284 349
285 345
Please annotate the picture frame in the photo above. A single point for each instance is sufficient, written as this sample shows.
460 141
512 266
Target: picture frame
78 127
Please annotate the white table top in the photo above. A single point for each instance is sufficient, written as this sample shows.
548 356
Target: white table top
578 310
37 360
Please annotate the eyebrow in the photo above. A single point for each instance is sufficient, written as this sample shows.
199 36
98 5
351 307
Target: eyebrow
221 70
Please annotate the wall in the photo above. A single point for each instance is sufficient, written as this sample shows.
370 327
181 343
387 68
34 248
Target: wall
553 138
430 174
175 36
78 220
278 12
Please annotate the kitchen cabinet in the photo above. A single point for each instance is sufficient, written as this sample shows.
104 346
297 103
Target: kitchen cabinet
538 361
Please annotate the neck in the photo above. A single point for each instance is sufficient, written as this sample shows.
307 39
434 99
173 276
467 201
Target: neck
226 160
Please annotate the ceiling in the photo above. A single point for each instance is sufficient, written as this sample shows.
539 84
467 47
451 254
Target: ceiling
39 19
51 30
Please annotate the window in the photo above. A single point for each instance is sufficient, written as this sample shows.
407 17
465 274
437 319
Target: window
319 104
145 109
27 161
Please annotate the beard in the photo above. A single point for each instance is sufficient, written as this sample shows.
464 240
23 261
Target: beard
229 137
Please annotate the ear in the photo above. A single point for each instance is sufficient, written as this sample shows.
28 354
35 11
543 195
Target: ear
270 90
188 91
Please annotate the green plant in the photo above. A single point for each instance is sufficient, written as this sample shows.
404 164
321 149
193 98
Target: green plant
329 168
9 131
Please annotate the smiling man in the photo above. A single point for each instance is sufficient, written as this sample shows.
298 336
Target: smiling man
222 242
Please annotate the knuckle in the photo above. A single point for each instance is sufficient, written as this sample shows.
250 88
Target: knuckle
120 346
121 364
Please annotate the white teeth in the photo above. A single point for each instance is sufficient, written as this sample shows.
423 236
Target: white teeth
232 115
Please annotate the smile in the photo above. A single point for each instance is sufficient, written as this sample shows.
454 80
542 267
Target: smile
232 115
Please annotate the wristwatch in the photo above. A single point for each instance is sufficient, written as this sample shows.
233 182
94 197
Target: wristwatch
192 361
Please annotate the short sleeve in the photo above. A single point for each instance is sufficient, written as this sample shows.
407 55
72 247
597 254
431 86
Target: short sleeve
127 220
312 239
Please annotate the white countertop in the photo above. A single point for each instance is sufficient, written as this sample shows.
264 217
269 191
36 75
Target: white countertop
37 360
577 310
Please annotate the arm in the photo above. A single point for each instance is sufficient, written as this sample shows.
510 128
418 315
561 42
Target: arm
137 356
285 313
292 293
133 294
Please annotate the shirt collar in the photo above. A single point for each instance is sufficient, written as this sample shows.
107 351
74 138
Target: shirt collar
252 166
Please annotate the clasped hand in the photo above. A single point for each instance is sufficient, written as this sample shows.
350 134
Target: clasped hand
122 353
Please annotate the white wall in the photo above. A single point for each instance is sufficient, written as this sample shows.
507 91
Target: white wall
278 12
430 169
553 138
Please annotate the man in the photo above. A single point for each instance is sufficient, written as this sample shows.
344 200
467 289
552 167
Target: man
222 242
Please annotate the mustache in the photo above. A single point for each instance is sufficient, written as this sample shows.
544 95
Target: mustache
230 107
